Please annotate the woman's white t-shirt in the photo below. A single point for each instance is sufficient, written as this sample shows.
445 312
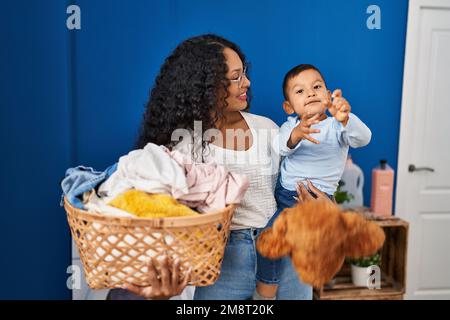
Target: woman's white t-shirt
260 163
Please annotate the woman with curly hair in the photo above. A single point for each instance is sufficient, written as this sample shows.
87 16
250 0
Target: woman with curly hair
203 88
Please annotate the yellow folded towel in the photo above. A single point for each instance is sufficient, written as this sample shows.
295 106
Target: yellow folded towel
146 205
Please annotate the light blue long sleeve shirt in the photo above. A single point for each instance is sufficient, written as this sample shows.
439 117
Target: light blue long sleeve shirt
323 164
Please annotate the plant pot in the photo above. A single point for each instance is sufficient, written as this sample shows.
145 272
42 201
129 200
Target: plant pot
360 276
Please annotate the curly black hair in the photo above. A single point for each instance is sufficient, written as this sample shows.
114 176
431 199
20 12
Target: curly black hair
188 88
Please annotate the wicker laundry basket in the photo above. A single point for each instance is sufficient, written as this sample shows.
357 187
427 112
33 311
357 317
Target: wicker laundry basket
113 250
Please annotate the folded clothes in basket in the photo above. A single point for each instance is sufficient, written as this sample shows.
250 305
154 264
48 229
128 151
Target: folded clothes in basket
150 169
80 180
155 169
93 203
211 186
147 205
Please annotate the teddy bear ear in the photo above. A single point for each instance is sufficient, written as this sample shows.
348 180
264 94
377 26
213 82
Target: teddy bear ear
364 237
272 242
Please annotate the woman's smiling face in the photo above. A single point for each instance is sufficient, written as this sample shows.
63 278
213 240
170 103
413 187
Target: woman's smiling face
237 90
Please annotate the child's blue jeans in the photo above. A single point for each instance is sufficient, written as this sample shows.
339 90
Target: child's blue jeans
268 269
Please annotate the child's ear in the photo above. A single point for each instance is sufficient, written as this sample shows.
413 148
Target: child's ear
288 108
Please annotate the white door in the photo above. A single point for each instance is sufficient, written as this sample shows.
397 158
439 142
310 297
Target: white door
423 194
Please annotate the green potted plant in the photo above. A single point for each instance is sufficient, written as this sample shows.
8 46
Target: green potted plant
342 196
359 268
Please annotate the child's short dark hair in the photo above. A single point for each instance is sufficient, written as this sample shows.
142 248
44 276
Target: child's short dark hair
296 71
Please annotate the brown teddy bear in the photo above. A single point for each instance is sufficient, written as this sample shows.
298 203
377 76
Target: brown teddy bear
318 236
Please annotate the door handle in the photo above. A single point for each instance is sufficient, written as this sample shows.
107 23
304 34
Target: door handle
412 168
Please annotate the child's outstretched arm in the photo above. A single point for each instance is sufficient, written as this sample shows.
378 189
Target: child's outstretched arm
353 131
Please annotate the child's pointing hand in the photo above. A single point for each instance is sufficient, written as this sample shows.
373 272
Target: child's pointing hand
339 108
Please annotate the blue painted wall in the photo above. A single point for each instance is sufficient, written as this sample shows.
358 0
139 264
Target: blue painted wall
34 117
77 97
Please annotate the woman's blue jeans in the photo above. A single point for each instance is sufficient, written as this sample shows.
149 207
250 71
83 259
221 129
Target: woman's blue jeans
237 280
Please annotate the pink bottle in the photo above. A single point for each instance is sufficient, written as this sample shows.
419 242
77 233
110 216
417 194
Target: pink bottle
382 189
